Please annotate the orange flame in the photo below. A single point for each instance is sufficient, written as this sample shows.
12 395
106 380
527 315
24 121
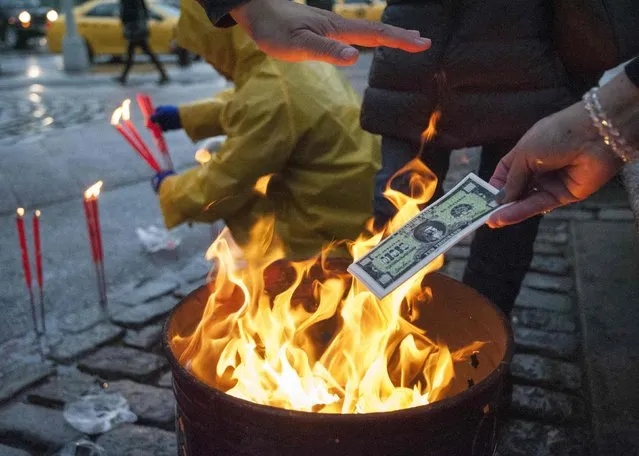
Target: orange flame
37 213
262 184
93 191
20 212
431 130
321 342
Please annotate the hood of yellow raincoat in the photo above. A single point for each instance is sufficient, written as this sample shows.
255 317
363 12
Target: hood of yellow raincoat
229 50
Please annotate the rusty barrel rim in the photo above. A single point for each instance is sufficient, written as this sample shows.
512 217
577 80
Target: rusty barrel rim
489 382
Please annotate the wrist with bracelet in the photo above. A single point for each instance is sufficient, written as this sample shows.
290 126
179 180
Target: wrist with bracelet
608 132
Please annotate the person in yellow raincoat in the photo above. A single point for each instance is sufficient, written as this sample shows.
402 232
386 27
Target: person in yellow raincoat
296 121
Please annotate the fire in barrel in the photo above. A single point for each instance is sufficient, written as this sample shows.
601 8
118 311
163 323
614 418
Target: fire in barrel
277 357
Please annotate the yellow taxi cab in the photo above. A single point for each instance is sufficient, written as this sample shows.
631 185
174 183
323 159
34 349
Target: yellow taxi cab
351 9
98 22
359 9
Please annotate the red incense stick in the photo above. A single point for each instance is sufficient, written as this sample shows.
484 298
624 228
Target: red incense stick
37 245
146 106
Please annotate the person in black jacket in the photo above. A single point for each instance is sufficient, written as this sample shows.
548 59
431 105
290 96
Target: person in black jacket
135 15
494 70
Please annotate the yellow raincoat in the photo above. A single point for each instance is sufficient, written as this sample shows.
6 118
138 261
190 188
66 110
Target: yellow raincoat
297 121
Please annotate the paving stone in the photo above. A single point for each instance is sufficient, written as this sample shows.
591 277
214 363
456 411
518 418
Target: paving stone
133 294
21 377
77 322
554 344
528 438
38 427
143 313
459 252
196 270
10 451
550 265
548 283
153 406
166 381
19 351
145 338
123 362
557 238
570 214
130 439
549 406
547 372
454 269
544 319
535 299
620 215
73 346
552 226
543 248
63 388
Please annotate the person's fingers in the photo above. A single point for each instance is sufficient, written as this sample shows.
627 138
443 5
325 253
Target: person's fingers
519 176
310 46
360 32
535 203
498 179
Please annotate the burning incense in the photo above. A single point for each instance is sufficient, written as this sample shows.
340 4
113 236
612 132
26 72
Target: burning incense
26 267
140 148
95 238
146 106
37 245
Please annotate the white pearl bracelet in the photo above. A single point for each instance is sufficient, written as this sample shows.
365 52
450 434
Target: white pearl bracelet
607 131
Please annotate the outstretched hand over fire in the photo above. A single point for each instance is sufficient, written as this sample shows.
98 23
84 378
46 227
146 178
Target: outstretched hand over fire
290 31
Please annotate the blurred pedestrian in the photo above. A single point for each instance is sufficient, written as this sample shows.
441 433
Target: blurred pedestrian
135 16
295 122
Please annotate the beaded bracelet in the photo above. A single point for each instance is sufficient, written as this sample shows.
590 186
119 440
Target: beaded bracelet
607 131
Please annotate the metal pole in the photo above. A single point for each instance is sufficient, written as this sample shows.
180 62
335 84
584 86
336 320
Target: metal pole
74 49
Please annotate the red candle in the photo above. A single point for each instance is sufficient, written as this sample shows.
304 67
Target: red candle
23 246
145 154
95 238
38 247
146 106
90 209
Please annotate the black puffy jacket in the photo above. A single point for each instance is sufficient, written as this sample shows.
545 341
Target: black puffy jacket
492 71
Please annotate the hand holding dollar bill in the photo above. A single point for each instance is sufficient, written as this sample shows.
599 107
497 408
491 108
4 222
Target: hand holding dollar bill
430 233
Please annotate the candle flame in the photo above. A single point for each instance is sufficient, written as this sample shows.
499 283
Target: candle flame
126 109
202 156
117 115
20 212
93 191
37 212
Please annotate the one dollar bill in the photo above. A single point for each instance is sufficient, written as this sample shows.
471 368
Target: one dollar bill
426 236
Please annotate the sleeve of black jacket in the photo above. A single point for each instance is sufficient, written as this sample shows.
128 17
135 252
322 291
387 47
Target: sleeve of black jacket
218 11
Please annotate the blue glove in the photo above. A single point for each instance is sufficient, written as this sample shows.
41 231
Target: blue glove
159 177
167 118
